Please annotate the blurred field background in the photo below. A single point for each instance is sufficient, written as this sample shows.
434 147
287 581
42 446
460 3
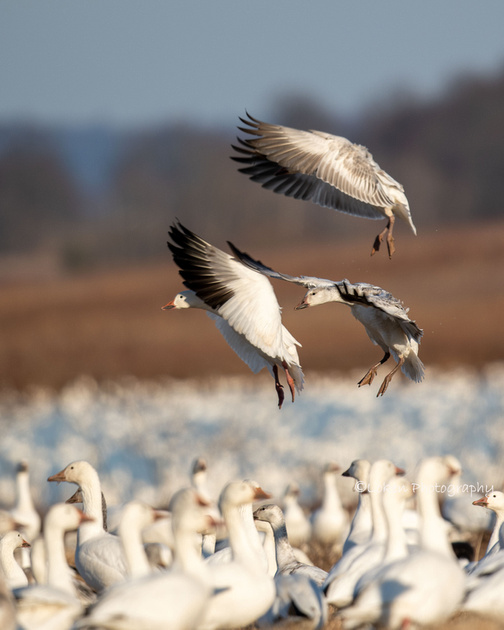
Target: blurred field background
84 215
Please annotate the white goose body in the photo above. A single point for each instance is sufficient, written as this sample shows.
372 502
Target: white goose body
296 521
242 304
425 587
54 605
287 563
329 170
172 599
344 575
247 589
383 316
330 522
362 524
99 556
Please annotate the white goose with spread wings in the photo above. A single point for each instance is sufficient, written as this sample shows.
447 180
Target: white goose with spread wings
383 316
329 170
242 304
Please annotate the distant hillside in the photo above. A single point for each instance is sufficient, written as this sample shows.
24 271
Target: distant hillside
92 197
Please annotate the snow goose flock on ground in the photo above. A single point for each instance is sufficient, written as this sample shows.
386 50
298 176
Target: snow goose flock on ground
380 578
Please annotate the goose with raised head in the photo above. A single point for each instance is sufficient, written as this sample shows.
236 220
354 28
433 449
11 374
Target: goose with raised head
248 591
493 501
174 599
54 605
136 516
383 316
329 524
329 170
286 560
11 571
362 524
99 555
340 584
297 523
425 587
24 512
242 304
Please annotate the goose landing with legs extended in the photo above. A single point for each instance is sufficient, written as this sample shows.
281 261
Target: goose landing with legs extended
383 316
242 304
329 170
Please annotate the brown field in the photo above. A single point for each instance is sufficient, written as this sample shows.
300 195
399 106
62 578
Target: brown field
109 323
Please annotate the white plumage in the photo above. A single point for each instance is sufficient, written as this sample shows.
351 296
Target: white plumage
329 170
241 303
383 316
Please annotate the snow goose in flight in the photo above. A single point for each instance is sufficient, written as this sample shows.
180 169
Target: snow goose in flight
241 303
383 316
329 170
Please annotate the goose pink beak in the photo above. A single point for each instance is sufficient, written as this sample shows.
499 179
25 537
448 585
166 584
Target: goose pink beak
58 476
168 306
301 305
483 501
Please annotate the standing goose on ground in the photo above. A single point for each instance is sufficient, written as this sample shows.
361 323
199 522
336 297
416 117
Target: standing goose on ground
383 316
362 523
329 170
330 522
241 303
297 523
286 560
99 556
55 604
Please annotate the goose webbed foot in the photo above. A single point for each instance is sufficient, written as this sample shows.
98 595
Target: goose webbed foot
368 378
290 381
388 378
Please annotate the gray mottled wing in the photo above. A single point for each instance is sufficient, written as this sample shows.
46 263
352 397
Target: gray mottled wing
310 282
371 295
311 165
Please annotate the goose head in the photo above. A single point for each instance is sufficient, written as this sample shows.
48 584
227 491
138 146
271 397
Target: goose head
78 472
184 299
270 513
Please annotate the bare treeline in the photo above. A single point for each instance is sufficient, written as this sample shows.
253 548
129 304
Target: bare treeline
95 197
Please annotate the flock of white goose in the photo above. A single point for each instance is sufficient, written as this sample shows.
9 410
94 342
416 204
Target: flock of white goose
208 564
205 564
234 290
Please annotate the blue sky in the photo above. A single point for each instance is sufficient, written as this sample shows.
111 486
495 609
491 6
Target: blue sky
143 62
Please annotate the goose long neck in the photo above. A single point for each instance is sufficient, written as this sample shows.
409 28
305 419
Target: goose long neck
331 499
59 574
283 549
134 551
92 507
494 537
244 542
433 534
379 531
397 546
24 498
187 549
